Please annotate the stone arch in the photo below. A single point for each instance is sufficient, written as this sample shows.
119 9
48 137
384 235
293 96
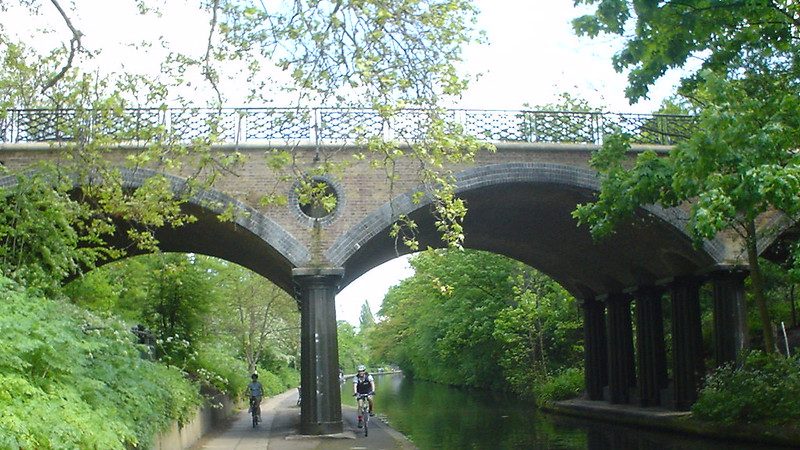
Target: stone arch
251 239
777 234
367 244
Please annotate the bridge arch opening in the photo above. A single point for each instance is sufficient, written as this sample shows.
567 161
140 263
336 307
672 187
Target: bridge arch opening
523 211
248 237
217 320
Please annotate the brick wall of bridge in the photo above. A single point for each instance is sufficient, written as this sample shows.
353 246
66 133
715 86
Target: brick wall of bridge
363 188
281 237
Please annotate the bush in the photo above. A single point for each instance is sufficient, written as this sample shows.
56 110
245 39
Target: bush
764 390
84 375
276 383
218 368
569 383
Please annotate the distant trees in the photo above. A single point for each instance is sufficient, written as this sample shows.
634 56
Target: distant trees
476 319
541 334
197 306
255 315
366 319
353 347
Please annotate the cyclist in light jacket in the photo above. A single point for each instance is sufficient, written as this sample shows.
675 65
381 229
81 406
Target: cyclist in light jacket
256 391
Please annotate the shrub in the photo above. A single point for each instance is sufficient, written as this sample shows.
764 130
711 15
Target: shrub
217 367
277 382
568 383
84 375
764 390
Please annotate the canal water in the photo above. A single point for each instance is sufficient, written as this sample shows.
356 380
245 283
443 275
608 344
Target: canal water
435 416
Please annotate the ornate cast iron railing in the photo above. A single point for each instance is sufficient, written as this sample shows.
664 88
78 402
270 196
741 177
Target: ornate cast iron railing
255 125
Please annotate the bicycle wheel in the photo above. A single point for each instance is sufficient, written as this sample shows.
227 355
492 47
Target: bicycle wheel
365 414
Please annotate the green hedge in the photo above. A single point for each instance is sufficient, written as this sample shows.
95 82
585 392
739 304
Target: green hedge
566 384
71 380
219 368
276 382
765 390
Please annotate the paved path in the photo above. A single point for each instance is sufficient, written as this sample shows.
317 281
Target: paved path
278 431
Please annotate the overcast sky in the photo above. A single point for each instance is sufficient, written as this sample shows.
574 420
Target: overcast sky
532 57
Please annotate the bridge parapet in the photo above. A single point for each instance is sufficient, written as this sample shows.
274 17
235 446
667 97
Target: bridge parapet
334 125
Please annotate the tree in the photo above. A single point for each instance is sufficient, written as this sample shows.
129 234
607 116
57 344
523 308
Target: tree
439 323
46 236
258 316
178 301
471 318
741 162
373 54
365 319
540 335
723 36
203 300
352 347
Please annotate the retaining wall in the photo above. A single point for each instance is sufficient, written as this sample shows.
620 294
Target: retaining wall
207 418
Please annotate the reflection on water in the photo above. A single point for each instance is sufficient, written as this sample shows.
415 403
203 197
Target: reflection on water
440 417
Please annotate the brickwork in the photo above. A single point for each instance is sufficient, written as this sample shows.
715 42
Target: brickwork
368 203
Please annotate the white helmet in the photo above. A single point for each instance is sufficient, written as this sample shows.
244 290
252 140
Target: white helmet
362 368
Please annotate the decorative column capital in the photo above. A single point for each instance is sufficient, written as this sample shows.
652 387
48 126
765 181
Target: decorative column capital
618 297
648 290
728 272
299 272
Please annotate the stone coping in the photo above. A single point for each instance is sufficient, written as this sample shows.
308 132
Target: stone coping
675 421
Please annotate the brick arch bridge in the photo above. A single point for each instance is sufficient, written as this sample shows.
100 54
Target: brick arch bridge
520 199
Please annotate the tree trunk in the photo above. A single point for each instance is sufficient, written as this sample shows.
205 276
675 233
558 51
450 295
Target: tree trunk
758 286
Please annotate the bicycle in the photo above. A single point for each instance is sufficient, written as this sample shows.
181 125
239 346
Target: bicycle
255 410
363 410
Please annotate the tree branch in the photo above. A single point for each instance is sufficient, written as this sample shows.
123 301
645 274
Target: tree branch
208 72
74 47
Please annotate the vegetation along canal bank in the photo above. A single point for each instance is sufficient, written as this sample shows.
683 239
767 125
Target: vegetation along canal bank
435 416
471 323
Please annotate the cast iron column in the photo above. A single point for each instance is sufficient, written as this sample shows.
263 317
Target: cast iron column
651 354
730 315
687 342
321 402
595 352
621 364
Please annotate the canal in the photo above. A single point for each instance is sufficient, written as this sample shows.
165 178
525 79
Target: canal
435 416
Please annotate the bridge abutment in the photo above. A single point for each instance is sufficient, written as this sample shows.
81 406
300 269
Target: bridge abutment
651 350
730 315
612 368
621 365
595 348
687 342
320 402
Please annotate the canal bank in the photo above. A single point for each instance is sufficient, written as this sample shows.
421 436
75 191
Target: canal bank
441 417
675 422
279 427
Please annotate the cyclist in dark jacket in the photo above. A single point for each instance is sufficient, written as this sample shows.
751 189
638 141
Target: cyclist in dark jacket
364 383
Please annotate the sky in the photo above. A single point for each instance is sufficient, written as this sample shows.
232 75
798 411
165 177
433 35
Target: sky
532 57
